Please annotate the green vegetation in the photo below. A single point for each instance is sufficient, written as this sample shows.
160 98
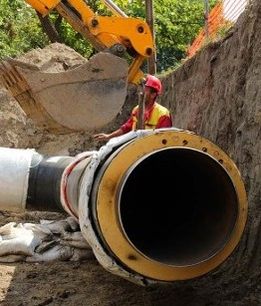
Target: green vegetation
20 29
176 24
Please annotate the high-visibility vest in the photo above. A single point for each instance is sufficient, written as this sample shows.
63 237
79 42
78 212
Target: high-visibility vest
150 123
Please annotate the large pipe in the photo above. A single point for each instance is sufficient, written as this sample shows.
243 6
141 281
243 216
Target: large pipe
160 205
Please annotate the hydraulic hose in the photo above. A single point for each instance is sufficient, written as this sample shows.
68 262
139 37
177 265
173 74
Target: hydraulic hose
160 205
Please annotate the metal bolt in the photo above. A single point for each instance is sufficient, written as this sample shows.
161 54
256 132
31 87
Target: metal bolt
94 22
164 141
148 51
132 257
140 29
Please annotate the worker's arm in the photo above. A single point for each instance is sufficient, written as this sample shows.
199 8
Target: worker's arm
103 136
125 128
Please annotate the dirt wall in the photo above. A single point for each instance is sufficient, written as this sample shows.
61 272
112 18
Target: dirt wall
217 94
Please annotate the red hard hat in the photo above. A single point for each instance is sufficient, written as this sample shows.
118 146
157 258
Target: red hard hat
153 82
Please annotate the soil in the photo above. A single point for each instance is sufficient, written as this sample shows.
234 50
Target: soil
87 283
217 94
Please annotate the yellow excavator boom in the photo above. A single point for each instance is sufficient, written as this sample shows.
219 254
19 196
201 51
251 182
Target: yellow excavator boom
104 31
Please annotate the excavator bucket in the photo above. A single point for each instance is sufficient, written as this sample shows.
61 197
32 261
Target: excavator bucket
85 98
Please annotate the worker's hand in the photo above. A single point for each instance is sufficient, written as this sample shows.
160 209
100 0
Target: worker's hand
101 136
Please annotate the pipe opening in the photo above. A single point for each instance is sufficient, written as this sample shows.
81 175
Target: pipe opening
178 206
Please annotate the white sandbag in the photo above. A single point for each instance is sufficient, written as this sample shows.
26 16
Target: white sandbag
13 230
41 231
24 244
43 242
82 254
8 230
74 239
45 245
56 227
58 252
74 225
17 240
12 258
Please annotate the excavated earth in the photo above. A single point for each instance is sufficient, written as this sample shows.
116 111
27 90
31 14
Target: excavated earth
217 94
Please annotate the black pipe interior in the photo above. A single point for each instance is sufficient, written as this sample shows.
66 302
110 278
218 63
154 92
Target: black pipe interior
178 207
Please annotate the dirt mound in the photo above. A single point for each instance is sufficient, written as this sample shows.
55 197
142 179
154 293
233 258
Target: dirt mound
16 130
54 58
19 131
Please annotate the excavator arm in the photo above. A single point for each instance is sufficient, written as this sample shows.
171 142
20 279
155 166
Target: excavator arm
105 32
90 96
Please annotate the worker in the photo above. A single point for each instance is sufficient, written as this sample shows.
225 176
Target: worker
156 116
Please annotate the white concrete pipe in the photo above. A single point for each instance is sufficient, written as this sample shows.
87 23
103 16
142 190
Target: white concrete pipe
160 205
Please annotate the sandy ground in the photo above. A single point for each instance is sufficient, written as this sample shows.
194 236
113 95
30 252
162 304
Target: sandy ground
87 283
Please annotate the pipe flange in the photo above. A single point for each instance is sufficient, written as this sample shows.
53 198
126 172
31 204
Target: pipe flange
107 210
